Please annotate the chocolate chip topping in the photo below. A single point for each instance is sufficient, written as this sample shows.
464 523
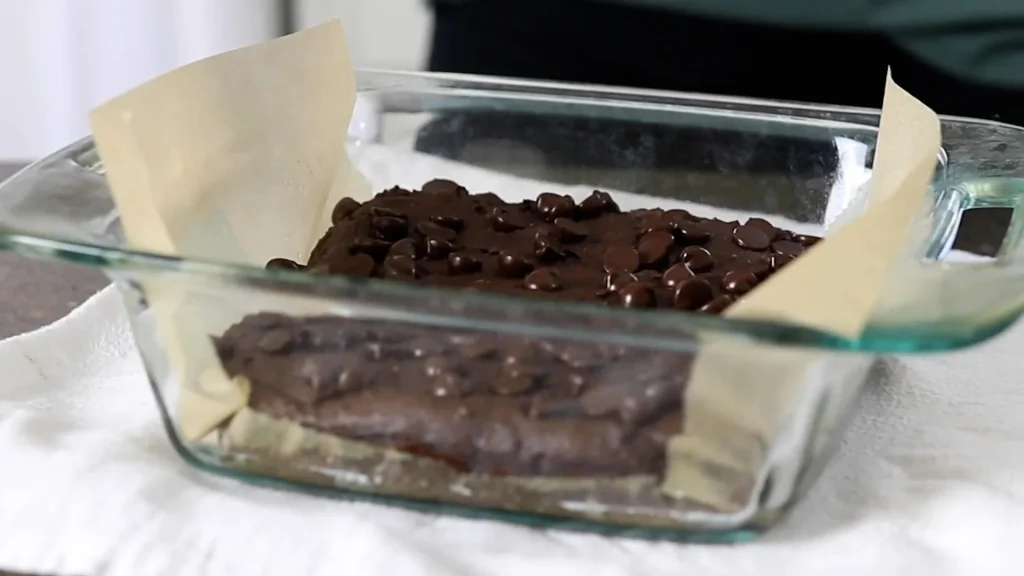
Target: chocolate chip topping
283 264
590 250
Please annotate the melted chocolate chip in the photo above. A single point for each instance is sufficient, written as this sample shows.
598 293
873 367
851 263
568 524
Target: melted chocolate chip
513 266
552 206
697 259
739 282
620 259
390 227
692 294
750 237
283 264
676 275
505 221
596 204
343 209
636 295
401 267
653 247
461 263
544 279
451 222
570 230
786 248
406 247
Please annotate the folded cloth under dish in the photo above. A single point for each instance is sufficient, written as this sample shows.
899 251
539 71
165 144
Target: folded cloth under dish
928 479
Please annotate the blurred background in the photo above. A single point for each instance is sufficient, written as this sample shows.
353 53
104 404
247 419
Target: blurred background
58 58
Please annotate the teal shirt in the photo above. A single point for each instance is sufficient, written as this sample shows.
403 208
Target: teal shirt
976 40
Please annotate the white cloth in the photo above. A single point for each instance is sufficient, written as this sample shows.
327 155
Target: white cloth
930 479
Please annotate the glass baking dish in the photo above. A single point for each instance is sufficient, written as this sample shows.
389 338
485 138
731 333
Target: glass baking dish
801 166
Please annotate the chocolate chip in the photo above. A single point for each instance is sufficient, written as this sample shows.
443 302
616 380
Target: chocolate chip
697 259
401 267
442 186
621 259
570 230
806 239
692 294
544 279
596 204
406 247
750 237
547 247
358 265
343 209
451 222
553 206
275 341
636 295
430 230
653 247
283 264
380 211
462 263
390 227
692 233
678 217
619 280
513 266
763 225
439 248
503 220
718 305
788 248
739 282
374 247
676 275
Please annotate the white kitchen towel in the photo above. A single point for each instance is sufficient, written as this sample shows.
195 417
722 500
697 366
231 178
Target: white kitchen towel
930 478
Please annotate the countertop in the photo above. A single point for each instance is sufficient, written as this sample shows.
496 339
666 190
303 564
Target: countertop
35 293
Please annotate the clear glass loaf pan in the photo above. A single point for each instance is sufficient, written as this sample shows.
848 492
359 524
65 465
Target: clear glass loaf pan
801 166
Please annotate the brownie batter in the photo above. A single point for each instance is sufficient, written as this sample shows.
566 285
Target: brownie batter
500 404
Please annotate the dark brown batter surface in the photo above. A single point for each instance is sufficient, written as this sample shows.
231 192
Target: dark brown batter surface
500 404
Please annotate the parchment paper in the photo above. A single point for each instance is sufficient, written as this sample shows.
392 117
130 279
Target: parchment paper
741 394
240 158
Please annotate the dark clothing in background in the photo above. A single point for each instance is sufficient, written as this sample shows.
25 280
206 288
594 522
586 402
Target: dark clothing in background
629 45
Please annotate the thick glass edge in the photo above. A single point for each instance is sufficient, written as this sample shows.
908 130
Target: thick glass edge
81 153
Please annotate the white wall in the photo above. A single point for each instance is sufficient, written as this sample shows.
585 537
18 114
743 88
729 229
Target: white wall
381 33
58 58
